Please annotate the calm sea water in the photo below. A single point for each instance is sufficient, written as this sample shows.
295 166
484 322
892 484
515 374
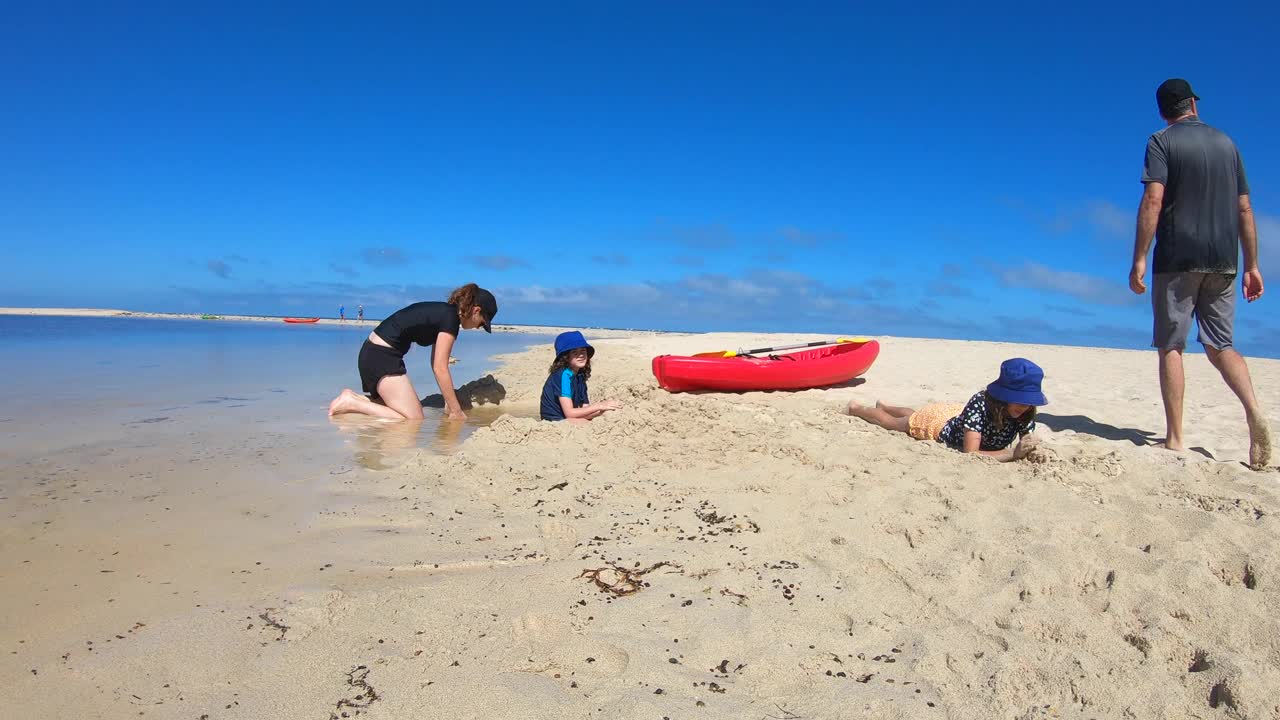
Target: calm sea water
173 451
76 382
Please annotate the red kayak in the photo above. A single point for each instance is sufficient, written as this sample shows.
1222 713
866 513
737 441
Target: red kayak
301 320
820 367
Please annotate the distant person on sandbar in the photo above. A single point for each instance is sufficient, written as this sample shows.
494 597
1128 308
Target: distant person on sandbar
1196 204
564 395
360 313
988 425
431 324
342 313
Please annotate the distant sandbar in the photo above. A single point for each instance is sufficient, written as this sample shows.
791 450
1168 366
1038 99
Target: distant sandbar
106 312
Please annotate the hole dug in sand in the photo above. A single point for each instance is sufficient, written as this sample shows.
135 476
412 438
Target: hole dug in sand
1199 662
1220 694
1247 577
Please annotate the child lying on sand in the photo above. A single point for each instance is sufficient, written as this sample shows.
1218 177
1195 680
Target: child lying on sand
987 425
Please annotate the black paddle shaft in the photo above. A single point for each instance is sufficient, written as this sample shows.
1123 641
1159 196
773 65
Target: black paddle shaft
788 347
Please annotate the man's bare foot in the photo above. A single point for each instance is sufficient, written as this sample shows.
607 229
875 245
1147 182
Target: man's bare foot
1174 445
1259 444
855 408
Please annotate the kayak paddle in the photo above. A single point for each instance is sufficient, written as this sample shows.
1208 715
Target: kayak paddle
757 351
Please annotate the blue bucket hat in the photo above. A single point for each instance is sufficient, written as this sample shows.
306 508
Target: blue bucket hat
1019 382
572 340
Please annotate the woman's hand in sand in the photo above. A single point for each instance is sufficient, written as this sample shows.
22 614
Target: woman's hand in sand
610 405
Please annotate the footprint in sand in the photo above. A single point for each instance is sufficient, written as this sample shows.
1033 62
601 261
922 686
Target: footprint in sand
536 628
552 641
1260 446
558 538
306 614
1199 662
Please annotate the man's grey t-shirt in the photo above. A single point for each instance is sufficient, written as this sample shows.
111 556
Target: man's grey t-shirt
1203 178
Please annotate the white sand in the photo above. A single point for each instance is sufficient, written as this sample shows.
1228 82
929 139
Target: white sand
817 567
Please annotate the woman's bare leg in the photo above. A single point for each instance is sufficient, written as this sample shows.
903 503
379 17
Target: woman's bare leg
348 401
397 392
895 410
399 401
877 416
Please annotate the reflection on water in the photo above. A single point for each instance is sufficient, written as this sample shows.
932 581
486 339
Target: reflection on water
384 444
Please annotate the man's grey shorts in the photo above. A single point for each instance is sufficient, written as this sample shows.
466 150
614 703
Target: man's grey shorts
1210 297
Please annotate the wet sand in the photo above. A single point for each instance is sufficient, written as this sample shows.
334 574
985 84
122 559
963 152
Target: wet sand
690 556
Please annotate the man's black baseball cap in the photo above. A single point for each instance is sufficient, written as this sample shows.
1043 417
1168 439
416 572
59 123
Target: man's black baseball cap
1171 92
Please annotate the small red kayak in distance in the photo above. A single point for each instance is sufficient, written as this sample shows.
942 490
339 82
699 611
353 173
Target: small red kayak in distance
819 367
301 320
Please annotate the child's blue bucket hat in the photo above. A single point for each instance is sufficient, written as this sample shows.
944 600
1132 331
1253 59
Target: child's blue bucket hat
572 340
1019 382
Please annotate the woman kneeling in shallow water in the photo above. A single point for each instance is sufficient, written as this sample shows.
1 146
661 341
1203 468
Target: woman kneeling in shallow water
988 424
431 324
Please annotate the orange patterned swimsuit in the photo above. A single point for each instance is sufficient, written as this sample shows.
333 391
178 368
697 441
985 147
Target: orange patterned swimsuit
927 422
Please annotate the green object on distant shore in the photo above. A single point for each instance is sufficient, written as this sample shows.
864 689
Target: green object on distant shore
210 317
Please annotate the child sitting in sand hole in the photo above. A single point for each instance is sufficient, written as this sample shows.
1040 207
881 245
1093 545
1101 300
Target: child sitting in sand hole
988 424
564 396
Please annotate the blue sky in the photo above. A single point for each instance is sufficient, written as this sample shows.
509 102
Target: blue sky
932 171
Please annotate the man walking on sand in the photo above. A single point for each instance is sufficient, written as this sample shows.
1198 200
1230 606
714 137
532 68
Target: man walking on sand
1196 204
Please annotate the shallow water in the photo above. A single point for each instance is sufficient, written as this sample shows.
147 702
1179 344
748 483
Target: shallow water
147 466
88 382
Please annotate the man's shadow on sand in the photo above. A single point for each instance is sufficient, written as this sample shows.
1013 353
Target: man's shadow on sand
1088 426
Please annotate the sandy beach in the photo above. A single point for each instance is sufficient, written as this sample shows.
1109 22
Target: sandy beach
689 556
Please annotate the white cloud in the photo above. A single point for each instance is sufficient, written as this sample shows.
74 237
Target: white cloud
611 259
1089 288
219 268
1110 219
384 256
344 270
724 285
791 279
806 238
539 295
499 262
1268 245
1106 219
711 236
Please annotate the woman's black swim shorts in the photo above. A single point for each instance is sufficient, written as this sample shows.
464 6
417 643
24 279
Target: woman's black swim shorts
377 362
